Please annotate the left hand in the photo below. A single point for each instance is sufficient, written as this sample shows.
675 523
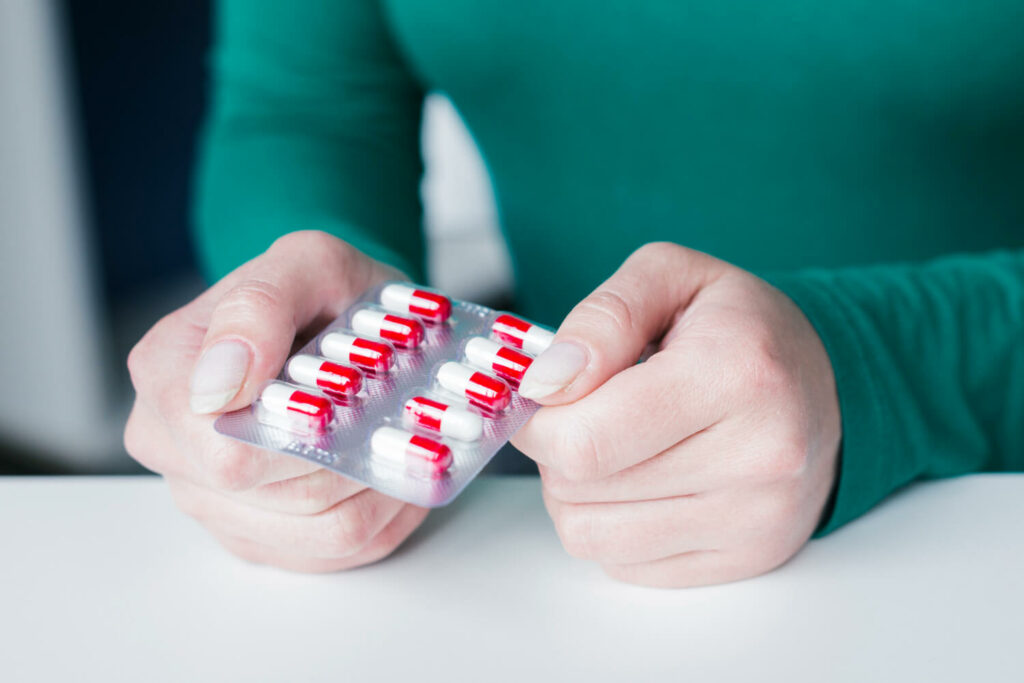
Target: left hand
711 461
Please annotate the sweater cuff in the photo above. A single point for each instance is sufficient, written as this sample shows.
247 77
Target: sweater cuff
863 478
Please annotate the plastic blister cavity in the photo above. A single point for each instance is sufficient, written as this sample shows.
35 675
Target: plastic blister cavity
407 391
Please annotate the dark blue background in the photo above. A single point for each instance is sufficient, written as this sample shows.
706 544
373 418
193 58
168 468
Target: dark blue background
139 71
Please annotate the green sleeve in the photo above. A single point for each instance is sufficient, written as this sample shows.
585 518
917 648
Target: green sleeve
314 124
929 365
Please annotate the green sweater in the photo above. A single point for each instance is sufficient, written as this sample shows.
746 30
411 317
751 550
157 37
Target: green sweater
866 157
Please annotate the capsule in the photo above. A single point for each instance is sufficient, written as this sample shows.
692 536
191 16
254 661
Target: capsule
516 332
482 390
402 332
295 409
506 363
440 417
430 306
364 353
334 379
411 450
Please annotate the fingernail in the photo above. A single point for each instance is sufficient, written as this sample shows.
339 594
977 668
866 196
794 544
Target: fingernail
218 376
552 370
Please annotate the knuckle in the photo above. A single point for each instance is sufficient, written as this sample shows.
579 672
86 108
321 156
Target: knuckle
791 461
132 437
140 443
302 240
607 309
231 467
559 487
140 358
786 458
188 502
323 248
787 463
776 514
767 373
659 252
251 295
136 444
578 456
574 526
146 354
137 362
316 493
755 363
348 529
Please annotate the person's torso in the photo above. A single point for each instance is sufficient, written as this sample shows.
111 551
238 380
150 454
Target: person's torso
770 134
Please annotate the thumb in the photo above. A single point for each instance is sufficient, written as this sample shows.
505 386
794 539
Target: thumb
609 330
261 307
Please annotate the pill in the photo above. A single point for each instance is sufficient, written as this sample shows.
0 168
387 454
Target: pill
305 411
438 416
516 332
403 332
364 353
335 379
430 306
479 388
412 450
506 363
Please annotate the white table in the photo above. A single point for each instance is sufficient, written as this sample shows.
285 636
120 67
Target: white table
101 579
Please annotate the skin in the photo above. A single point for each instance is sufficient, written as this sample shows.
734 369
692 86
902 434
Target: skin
711 461
262 506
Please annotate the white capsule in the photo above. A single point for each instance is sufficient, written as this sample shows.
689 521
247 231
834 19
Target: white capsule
422 303
336 379
522 335
290 407
404 332
438 416
411 450
537 340
480 388
276 397
370 355
489 355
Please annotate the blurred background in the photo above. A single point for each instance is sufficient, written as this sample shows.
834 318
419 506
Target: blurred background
101 102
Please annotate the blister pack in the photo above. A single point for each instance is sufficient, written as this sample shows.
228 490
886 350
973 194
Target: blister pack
408 392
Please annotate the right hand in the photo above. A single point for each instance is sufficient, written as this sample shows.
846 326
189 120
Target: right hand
211 356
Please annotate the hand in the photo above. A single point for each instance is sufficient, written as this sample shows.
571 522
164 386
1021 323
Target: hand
709 462
262 506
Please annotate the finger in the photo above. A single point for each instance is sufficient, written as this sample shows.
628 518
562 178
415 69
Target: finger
713 459
635 415
197 453
309 494
609 330
253 325
380 547
640 531
340 531
687 570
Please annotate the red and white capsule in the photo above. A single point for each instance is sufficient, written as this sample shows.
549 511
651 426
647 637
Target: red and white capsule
479 388
292 408
430 306
402 332
412 451
442 418
516 332
332 378
364 353
504 362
